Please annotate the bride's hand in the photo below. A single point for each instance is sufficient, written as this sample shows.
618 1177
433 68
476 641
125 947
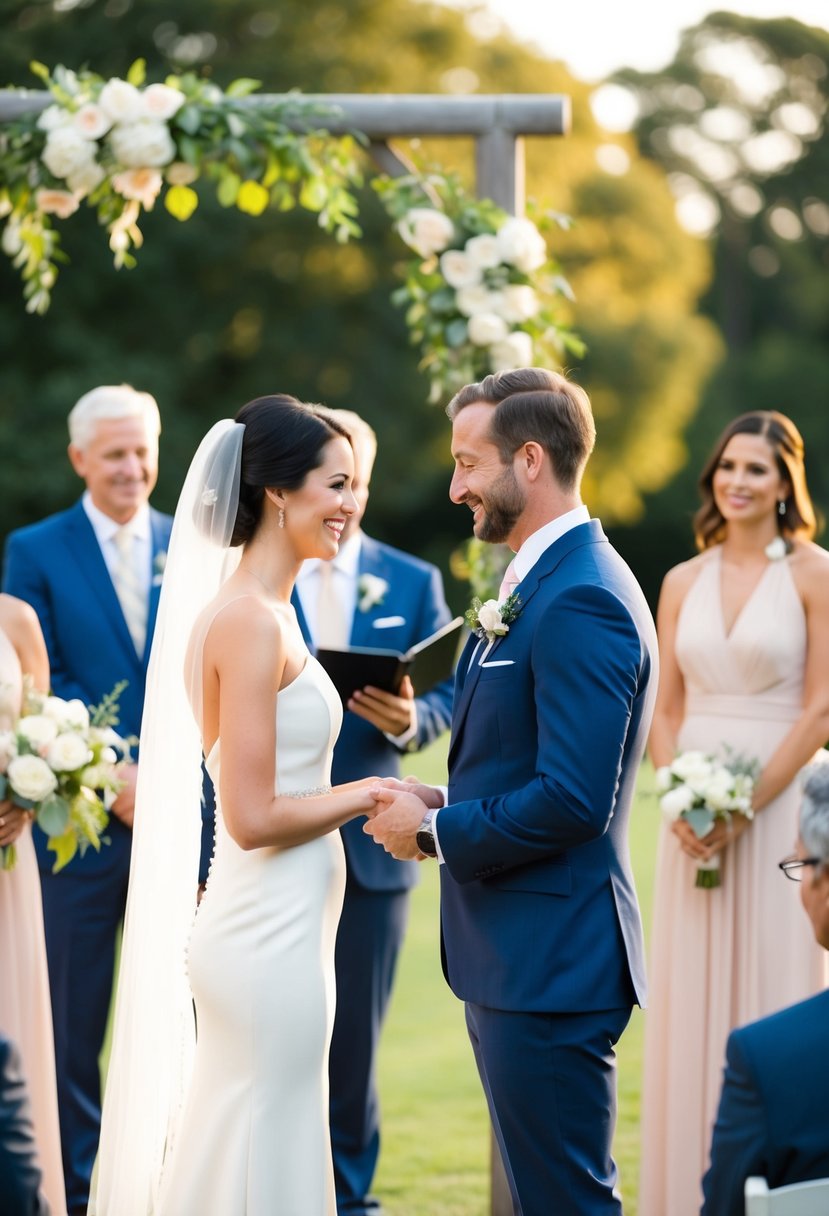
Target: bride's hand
13 819
429 795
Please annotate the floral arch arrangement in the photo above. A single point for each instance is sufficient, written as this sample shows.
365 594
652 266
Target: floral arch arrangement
479 291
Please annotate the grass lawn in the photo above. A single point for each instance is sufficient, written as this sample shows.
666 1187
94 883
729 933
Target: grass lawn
435 1157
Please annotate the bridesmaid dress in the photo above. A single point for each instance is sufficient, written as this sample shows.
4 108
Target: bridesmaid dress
723 957
25 1008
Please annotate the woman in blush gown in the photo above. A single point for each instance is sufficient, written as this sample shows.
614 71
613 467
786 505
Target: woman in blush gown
744 644
238 1124
25 1008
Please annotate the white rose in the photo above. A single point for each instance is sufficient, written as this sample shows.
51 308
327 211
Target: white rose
516 350
140 184
426 231
483 251
56 202
692 766
37 730
8 748
458 270
662 777
179 173
143 144
521 244
489 618
31 778
11 241
84 180
674 802
120 101
476 299
54 117
90 121
162 101
73 714
717 791
518 303
66 151
105 735
486 328
68 752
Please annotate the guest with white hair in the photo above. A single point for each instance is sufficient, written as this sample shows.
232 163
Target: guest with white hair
773 1120
93 575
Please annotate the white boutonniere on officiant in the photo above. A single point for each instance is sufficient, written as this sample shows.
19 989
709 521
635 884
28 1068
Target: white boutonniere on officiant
159 562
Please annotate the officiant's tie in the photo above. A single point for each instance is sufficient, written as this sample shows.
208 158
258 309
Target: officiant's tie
130 590
333 630
508 583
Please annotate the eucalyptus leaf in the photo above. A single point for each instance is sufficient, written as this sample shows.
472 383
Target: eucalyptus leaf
53 815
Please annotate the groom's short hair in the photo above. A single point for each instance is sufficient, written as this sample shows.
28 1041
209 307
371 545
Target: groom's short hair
533 404
111 401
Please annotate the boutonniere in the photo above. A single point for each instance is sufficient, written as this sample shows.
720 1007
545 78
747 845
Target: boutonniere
159 562
777 549
371 590
492 620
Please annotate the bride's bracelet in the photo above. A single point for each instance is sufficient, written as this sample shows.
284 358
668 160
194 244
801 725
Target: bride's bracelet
314 793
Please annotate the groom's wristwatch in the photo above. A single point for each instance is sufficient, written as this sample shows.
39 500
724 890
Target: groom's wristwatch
425 838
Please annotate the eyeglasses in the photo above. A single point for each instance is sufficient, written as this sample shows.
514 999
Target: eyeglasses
792 867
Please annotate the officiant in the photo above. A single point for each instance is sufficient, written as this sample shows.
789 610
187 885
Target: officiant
369 595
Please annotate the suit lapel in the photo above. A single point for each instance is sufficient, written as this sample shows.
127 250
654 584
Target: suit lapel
82 543
362 623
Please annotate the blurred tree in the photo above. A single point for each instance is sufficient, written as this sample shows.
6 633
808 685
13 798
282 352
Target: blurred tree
738 122
224 307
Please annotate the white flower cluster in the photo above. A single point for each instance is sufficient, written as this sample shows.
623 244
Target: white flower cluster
696 780
371 590
125 127
479 274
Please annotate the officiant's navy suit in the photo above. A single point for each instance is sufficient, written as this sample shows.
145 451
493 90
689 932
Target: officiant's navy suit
541 935
57 566
773 1118
376 901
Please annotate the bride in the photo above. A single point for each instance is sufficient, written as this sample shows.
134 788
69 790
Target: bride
235 1122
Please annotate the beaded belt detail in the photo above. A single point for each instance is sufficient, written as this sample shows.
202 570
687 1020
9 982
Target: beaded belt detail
314 793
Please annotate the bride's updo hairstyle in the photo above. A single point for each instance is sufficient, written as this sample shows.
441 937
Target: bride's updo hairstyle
786 443
284 440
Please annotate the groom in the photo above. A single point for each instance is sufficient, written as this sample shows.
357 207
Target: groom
541 936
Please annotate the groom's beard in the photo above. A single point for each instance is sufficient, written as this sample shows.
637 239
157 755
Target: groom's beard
502 508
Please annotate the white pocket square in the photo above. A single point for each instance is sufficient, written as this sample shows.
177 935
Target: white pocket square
388 622
498 663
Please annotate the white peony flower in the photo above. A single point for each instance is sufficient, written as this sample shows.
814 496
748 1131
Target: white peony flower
120 101
85 179
68 752
66 151
692 766
426 231
56 202
675 801
31 778
105 735
521 244
458 270
143 144
662 777
54 117
476 299
489 619
516 350
72 714
162 101
518 303
108 756
717 790
776 549
179 173
483 251
90 121
8 748
37 730
486 328
140 184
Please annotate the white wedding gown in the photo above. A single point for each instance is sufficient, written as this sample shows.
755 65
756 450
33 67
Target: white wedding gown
254 1137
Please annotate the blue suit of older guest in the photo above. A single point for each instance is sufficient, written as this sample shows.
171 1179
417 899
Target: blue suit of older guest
773 1118
376 900
58 567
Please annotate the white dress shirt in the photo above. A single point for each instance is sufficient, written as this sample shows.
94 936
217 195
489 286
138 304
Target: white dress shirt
105 529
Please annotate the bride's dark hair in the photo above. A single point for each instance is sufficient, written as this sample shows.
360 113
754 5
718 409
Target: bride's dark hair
284 440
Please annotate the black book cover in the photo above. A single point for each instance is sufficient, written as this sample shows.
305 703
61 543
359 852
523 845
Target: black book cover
429 662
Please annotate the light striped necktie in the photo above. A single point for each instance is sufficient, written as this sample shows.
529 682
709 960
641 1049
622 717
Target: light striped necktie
508 583
130 591
333 630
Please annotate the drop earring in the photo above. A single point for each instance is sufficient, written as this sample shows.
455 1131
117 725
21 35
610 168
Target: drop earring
282 517
781 507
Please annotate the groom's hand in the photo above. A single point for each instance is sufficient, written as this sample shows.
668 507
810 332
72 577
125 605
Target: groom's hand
395 827
429 795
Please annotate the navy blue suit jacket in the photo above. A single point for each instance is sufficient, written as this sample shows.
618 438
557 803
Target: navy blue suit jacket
538 906
20 1174
773 1119
57 566
415 595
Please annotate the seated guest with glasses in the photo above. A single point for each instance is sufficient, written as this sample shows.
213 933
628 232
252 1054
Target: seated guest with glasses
773 1119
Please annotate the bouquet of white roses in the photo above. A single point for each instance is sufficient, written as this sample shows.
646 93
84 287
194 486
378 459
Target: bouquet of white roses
62 762
701 789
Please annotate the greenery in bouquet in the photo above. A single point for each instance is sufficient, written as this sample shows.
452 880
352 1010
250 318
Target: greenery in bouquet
479 294
62 762
702 789
117 144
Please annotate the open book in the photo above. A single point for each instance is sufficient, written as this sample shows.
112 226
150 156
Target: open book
429 662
